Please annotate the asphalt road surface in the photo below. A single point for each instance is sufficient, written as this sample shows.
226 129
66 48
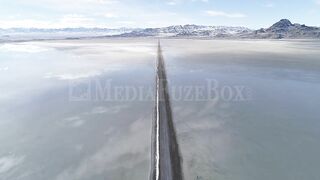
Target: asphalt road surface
166 160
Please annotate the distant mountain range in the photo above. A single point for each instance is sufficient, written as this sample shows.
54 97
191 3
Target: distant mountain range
189 31
283 29
23 34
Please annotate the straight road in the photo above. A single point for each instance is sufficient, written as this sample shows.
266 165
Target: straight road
166 160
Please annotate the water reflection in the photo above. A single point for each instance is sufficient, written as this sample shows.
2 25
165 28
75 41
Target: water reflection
45 135
271 136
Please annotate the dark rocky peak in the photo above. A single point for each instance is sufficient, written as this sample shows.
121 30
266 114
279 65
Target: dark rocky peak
283 24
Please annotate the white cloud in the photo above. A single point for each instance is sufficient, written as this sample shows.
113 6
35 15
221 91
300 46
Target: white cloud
175 2
97 13
126 23
24 23
70 6
75 20
224 14
200 0
72 2
172 3
68 20
4 68
103 1
269 5
110 15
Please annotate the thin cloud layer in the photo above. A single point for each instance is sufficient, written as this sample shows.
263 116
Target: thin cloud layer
214 13
158 13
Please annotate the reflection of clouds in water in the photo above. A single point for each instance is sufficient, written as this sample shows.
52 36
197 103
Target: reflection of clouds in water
108 131
144 48
103 136
74 121
109 110
211 115
21 47
82 74
202 128
209 107
82 118
138 125
119 155
196 70
71 76
183 111
79 147
100 110
9 162
137 49
199 126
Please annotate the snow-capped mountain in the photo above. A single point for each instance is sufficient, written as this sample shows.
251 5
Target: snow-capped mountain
282 29
189 30
285 29
16 34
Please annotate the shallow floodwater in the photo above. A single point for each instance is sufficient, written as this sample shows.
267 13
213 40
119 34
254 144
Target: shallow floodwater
262 120
52 123
243 110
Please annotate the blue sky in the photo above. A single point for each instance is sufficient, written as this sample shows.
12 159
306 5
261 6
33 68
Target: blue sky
155 13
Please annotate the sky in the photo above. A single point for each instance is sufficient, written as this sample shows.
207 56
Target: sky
155 13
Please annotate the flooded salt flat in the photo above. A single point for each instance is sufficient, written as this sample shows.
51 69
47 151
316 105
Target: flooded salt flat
269 129
49 130
54 125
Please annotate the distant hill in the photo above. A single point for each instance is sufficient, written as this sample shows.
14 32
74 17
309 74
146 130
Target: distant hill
285 29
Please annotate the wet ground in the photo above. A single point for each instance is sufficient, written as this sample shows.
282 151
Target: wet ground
83 109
